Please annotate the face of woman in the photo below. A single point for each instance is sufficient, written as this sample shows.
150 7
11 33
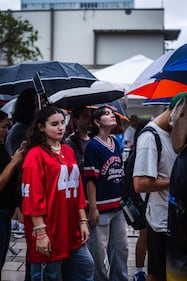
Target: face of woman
4 125
54 128
108 119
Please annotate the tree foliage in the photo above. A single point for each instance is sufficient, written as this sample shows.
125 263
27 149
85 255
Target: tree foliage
17 39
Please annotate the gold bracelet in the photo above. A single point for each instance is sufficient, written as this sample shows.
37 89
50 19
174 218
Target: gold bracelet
84 220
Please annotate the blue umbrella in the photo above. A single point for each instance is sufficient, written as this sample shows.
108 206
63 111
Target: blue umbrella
116 106
175 68
164 101
55 76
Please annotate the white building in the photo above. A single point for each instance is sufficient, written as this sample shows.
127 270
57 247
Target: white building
99 37
76 4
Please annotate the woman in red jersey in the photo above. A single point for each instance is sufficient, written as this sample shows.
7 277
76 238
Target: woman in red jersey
53 203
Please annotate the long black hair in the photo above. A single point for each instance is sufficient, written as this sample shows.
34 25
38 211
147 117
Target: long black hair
25 107
96 115
3 115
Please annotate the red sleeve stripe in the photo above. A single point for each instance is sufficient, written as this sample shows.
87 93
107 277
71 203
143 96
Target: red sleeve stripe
91 173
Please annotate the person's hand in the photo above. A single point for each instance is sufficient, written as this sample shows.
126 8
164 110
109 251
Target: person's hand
43 246
93 216
23 145
18 156
85 234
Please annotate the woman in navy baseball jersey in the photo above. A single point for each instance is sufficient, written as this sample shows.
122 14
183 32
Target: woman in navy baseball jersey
103 176
53 203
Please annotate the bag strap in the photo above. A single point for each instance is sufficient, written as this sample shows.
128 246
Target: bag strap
157 138
159 149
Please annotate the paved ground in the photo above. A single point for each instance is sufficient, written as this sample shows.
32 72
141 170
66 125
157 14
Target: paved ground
14 268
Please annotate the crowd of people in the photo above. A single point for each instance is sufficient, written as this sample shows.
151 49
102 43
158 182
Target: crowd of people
68 182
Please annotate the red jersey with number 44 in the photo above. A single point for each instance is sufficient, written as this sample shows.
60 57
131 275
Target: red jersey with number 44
52 188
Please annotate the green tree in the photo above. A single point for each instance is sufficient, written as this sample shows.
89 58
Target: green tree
17 39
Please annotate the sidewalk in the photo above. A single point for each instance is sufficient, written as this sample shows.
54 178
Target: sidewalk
14 268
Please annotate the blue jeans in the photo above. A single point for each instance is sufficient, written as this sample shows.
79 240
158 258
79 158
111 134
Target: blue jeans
79 267
5 232
109 248
49 271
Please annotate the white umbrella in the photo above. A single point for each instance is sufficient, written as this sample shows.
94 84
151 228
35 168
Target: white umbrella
9 107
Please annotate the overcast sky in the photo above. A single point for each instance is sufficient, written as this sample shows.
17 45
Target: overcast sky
175 14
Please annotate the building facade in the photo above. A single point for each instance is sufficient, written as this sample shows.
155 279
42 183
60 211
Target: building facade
73 4
99 37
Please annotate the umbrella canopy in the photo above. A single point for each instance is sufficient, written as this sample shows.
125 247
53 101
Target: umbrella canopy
124 72
164 101
55 76
164 78
98 92
117 107
4 99
9 107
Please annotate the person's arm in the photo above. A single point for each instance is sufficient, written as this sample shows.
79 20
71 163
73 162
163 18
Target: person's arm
128 143
43 244
149 184
85 234
93 211
8 171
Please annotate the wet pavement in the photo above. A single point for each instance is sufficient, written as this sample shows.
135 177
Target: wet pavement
14 268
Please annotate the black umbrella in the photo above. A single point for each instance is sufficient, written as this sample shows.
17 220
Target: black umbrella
55 76
98 92
117 107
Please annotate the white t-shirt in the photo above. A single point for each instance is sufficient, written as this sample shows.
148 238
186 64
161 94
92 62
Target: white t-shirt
146 165
129 134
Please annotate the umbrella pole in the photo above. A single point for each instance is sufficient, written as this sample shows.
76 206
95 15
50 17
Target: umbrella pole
39 102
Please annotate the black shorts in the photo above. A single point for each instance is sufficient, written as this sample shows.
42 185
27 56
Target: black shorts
156 247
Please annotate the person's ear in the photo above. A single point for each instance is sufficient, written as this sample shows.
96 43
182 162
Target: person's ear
96 122
178 121
40 127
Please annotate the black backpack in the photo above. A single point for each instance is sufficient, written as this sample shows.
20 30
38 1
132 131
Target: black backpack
134 207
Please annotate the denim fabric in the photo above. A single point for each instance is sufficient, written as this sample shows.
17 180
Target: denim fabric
109 248
5 231
79 267
49 271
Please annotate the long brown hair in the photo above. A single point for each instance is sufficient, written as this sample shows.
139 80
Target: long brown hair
35 136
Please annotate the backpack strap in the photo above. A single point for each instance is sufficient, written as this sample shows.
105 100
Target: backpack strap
159 149
157 138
